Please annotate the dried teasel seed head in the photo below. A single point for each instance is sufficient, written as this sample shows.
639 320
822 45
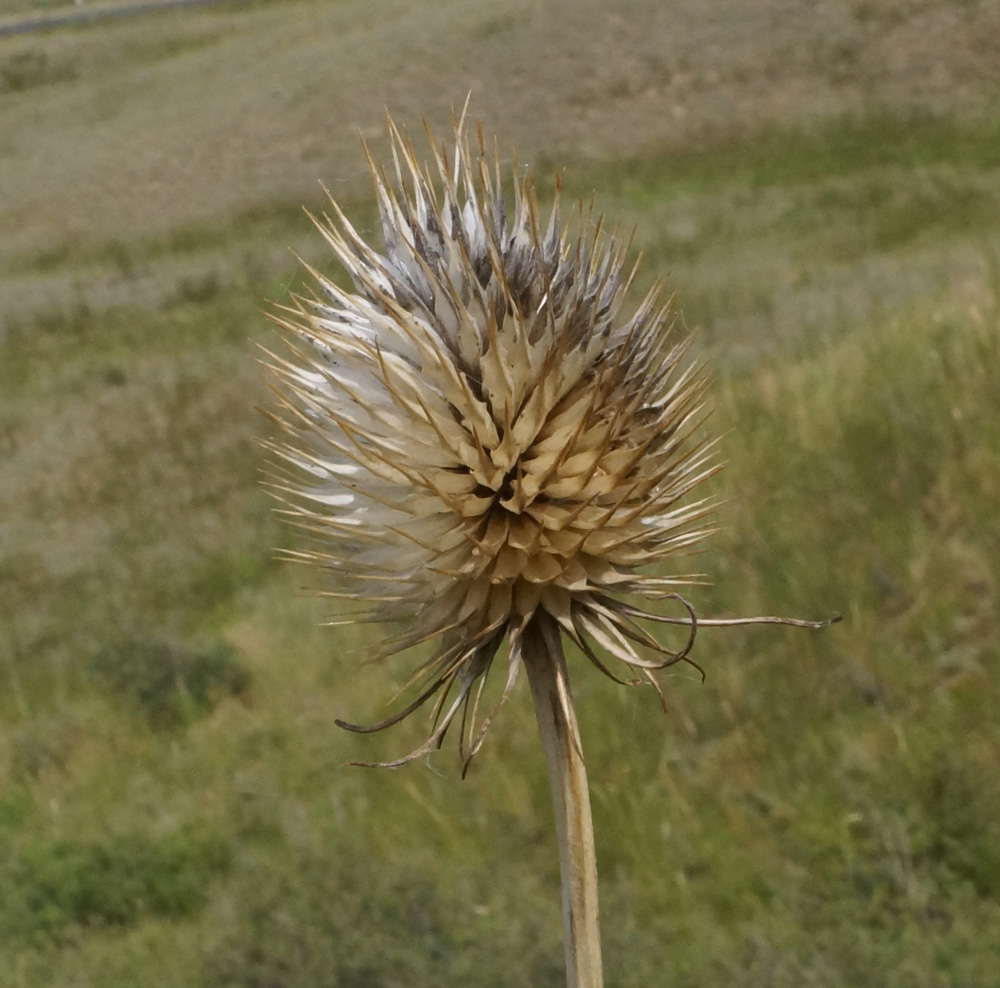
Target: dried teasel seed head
481 431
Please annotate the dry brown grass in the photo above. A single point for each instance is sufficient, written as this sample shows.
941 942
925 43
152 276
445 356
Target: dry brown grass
168 119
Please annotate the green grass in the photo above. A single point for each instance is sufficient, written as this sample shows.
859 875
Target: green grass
791 158
823 810
811 230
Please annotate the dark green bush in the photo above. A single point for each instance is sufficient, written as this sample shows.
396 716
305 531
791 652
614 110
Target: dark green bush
51 888
31 67
340 920
169 682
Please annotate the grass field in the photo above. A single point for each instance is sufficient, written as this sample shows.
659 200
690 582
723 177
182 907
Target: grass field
821 183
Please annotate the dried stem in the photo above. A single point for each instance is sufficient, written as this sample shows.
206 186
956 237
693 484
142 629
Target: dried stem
546 668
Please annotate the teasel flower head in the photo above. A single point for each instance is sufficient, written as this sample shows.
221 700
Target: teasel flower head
482 434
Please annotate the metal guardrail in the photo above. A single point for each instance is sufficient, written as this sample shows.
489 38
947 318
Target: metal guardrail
85 15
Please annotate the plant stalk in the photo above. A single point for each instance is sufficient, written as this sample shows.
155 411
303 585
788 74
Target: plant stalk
547 674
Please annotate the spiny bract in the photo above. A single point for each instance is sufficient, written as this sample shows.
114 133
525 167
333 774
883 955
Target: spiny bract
479 431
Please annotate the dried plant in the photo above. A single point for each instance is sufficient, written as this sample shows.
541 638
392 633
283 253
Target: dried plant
491 452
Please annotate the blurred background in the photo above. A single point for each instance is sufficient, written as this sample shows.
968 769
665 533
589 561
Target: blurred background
819 181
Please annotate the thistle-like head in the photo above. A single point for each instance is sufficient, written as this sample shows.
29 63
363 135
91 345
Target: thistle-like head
481 433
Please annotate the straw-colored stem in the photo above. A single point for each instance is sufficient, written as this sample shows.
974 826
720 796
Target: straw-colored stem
546 668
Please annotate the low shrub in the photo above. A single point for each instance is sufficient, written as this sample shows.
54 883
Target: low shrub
53 888
170 683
